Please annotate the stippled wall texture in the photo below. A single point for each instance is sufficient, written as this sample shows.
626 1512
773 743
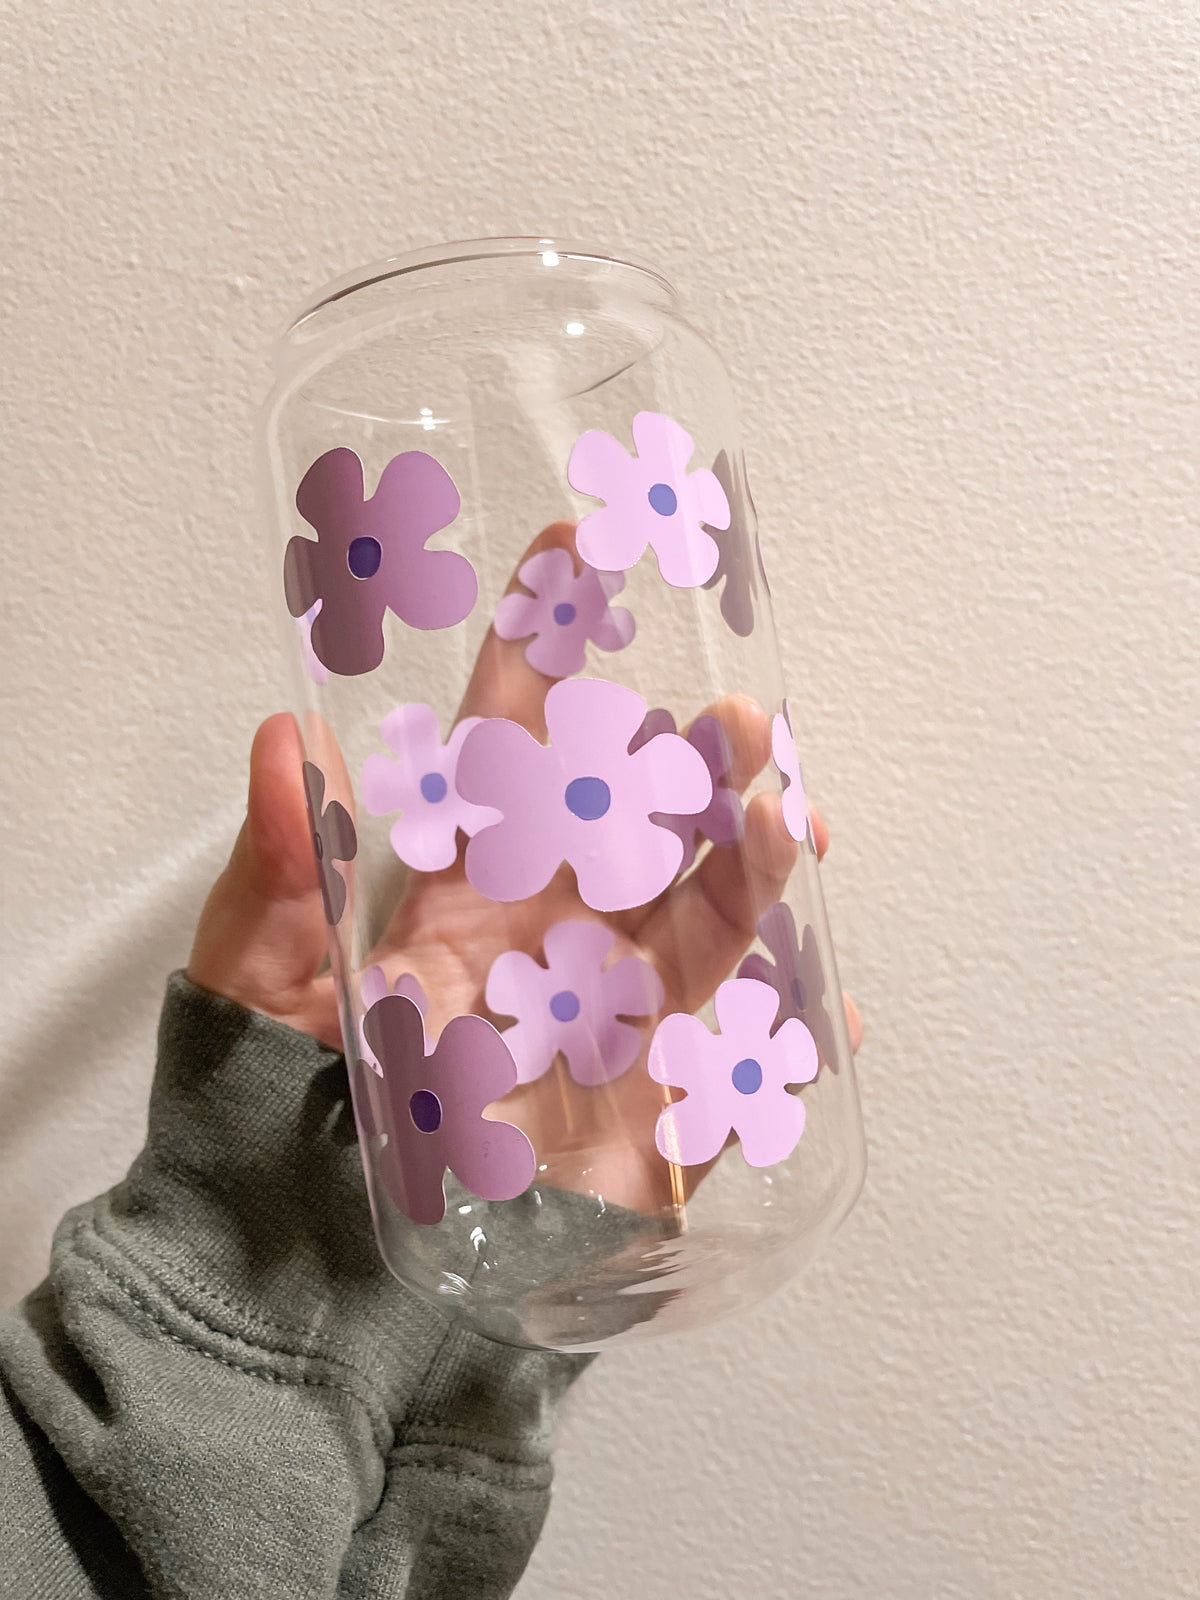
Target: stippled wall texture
950 253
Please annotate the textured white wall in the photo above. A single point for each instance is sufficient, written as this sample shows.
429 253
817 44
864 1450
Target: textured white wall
950 253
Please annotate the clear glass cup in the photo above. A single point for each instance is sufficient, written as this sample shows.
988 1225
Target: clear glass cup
591 1011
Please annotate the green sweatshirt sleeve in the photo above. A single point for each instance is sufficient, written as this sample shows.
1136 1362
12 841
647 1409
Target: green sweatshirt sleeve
219 1392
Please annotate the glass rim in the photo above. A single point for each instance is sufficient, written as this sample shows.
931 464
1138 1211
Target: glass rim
553 252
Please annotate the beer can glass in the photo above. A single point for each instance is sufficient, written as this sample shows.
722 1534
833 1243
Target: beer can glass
592 1019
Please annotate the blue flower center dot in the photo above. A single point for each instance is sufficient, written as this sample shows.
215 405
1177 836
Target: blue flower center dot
364 556
588 798
426 1111
798 999
663 499
564 1006
433 787
319 846
747 1076
564 613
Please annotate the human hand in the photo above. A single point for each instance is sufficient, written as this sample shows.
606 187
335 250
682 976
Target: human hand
261 939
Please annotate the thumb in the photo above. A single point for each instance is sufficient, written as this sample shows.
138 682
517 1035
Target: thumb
261 938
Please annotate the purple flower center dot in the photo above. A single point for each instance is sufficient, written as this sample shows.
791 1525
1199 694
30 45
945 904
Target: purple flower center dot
433 787
564 613
426 1111
747 1076
319 846
564 1006
663 499
798 999
364 556
588 798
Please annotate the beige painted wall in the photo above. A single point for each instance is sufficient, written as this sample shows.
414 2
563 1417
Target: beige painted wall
950 252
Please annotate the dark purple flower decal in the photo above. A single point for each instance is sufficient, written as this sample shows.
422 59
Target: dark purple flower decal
735 564
429 1109
334 839
372 986
796 976
723 820
369 556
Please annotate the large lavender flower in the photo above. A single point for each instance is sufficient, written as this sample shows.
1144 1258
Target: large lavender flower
583 799
650 499
736 1082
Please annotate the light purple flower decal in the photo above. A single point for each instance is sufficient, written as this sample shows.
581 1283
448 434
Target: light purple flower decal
795 802
372 987
369 556
650 498
573 1005
420 783
429 1107
565 610
723 820
582 798
334 839
796 976
735 564
316 670
736 1081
